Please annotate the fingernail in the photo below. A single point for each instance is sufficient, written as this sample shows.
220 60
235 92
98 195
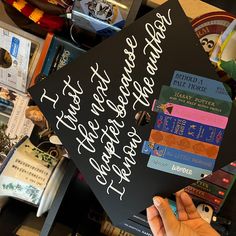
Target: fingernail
156 201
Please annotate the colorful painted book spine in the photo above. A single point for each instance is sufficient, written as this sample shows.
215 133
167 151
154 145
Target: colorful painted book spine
177 156
192 114
177 168
194 100
189 129
200 85
184 144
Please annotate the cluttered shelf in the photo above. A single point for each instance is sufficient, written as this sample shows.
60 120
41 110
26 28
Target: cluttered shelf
35 167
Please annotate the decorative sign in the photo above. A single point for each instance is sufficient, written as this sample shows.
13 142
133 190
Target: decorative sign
101 108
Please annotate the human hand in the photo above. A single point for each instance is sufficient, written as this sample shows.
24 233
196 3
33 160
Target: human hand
162 220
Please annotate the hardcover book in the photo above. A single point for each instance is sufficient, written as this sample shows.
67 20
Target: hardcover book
57 52
105 108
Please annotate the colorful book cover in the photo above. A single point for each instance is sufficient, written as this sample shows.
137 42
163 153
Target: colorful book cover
101 108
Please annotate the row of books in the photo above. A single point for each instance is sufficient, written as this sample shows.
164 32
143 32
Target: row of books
215 188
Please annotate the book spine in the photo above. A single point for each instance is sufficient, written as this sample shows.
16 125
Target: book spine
193 100
220 178
231 168
184 144
195 115
204 195
110 230
189 129
140 219
176 155
200 85
229 188
210 188
42 57
176 168
135 228
197 200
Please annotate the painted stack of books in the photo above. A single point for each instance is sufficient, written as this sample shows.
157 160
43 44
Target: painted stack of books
192 114
215 188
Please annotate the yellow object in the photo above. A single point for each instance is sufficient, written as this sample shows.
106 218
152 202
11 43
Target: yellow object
19 5
36 15
54 2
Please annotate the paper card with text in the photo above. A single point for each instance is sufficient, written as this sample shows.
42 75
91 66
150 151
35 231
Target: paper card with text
96 103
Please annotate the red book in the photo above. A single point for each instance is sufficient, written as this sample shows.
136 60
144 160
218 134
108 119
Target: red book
204 195
221 178
199 200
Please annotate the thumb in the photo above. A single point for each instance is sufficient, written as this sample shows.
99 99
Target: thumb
169 220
